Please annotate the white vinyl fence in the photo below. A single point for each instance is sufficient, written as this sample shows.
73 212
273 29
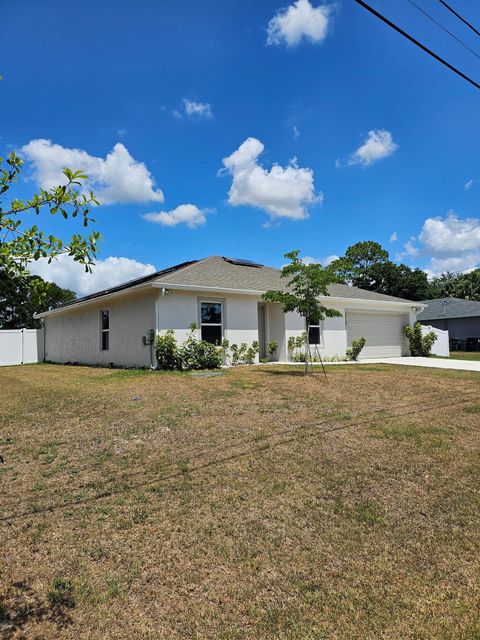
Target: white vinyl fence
21 346
441 346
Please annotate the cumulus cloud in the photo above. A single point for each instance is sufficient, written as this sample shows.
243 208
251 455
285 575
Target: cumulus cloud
187 214
283 192
300 20
377 145
106 273
394 237
468 185
449 243
117 178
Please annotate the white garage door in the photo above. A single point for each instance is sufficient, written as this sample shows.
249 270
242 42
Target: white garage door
384 333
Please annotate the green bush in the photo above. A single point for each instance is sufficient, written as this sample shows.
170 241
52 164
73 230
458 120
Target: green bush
272 348
199 354
192 354
244 354
166 351
357 346
420 345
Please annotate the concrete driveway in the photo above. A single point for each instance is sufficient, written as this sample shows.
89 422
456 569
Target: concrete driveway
434 363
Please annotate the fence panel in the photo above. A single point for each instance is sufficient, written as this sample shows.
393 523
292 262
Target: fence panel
441 346
20 346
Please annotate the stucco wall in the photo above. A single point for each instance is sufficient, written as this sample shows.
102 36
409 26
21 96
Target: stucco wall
74 336
177 310
333 335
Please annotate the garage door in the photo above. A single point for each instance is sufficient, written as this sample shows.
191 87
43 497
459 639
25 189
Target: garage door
384 333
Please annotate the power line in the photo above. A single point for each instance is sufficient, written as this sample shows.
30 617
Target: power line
425 13
447 6
416 42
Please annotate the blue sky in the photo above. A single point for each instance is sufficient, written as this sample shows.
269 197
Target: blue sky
181 85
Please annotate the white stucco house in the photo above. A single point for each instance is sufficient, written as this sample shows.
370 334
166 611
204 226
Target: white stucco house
224 297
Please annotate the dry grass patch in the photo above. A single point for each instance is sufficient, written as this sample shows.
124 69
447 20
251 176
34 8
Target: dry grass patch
258 504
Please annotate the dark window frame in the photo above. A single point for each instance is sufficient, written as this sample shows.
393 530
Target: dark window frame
104 331
316 326
220 324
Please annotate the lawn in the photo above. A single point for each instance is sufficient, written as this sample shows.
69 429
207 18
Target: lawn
257 504
465 355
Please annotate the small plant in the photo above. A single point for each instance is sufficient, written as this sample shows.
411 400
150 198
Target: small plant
355 349
225 347
272 348
166 351
296 347
244 354
61 593
420 345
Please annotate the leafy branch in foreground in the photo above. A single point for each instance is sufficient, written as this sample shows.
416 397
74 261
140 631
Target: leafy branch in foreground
21 243
306 285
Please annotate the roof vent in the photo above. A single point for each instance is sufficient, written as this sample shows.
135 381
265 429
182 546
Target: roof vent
242 263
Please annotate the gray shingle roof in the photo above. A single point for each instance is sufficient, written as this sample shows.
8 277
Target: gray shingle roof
219 272
449 308
216 271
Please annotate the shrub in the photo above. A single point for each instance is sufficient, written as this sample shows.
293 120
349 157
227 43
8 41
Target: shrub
420 345
244 354
166 351
357 346
192 354
296 347
199 354
272 348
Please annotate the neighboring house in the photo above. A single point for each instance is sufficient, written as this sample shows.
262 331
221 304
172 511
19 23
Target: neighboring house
461 318
224 297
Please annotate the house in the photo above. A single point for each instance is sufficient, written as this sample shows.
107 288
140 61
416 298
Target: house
224 297
461 318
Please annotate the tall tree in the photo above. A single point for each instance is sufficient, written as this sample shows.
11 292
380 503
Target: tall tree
367 265
306 284
23 296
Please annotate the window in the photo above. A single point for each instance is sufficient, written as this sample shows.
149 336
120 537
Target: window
211 321
104 330
314 331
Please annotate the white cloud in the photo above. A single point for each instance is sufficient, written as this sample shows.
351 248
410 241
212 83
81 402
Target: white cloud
122 133
187 214
283 192
323 261
106 273
449 243
450 235
394 237
296 132
377 145
117 178
197 109
468 185
300 20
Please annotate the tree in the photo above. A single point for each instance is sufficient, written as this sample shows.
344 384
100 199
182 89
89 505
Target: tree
306 284
21 242
23 296
461 285
367 265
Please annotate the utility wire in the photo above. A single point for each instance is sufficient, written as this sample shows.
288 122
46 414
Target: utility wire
455 13
416 42
425 13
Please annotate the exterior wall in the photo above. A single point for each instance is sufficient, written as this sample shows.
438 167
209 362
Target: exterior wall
457 327
21 346
177 310
74 336
333 335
